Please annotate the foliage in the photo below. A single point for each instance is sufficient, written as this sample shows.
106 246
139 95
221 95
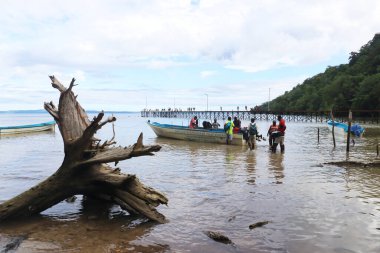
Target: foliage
355 85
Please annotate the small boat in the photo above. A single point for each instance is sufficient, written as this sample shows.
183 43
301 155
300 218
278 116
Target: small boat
197 134
356 129
9 130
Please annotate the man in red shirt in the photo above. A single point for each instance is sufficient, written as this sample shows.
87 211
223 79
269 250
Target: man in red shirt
281 136
193 122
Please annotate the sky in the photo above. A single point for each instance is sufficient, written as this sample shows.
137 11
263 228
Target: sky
127 55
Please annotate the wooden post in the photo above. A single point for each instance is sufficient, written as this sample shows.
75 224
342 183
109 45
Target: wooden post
318 135
333 134
349 131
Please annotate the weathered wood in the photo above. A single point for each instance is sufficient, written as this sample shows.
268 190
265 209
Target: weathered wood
349 131
218 237
258 224
84 169
318 135
333 128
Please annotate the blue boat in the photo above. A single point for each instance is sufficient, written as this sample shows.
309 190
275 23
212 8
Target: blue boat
356 129
10 130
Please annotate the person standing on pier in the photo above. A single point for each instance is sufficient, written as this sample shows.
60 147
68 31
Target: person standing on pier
281 135
228 128
193 122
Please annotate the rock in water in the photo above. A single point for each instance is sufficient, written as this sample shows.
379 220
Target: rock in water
216 236
8 244
258 224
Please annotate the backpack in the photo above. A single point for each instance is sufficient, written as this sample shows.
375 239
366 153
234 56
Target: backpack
253 129
227 126
206 125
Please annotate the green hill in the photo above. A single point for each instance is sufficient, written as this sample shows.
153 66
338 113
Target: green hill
355 85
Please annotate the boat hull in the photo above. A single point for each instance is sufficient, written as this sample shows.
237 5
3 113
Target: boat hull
197 135
11 130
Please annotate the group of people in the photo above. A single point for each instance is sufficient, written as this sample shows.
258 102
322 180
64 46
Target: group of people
207 125
276 132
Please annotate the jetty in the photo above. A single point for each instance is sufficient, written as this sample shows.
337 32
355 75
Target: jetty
364 116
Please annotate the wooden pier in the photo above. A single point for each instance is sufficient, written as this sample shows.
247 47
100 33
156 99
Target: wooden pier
364 116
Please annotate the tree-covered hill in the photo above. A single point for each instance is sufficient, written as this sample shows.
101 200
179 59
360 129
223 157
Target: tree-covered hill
355 85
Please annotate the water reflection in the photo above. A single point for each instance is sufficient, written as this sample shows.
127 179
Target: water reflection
251 167
276 166
102 228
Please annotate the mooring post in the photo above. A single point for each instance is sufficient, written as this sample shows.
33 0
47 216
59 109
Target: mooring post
333 134
349 131
318 135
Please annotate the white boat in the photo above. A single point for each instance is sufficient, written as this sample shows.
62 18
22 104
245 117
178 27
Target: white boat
10 130
197 134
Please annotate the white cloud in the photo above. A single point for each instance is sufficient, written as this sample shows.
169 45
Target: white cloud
207 73
81 38
242 34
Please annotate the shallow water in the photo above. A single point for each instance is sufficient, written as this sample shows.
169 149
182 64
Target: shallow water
310 206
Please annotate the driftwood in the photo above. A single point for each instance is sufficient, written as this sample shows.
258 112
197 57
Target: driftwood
84 169
356 164
258 224
218 237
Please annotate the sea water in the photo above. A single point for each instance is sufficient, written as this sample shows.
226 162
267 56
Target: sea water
311 206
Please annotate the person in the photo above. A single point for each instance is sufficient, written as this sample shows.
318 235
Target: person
271 129
237 124
281 135
215 125
252 129
228 128
206 125
193 122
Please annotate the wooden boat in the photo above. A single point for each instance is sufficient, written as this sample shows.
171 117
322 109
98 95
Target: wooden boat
10 130
356 129
198 134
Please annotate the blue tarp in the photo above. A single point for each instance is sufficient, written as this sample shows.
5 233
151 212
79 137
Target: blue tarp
356 129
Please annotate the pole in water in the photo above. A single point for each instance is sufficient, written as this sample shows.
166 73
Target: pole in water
318 135
349 131
333 134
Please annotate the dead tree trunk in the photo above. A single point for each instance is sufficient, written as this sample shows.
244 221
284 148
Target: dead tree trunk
84 169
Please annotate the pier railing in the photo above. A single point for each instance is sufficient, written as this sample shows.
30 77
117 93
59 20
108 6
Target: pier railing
364 116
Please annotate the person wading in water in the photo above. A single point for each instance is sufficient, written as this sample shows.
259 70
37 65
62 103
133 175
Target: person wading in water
281 135
252 128
228 128
271 129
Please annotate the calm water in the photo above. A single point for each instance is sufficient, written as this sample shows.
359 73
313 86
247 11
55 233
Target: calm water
311 206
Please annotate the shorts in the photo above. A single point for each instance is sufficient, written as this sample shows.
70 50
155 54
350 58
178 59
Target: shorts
229 137
252 139
280 140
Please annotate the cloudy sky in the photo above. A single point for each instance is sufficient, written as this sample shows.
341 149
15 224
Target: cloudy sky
129 54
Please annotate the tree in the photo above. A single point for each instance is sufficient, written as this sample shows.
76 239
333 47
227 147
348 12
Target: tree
85 168
344 86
